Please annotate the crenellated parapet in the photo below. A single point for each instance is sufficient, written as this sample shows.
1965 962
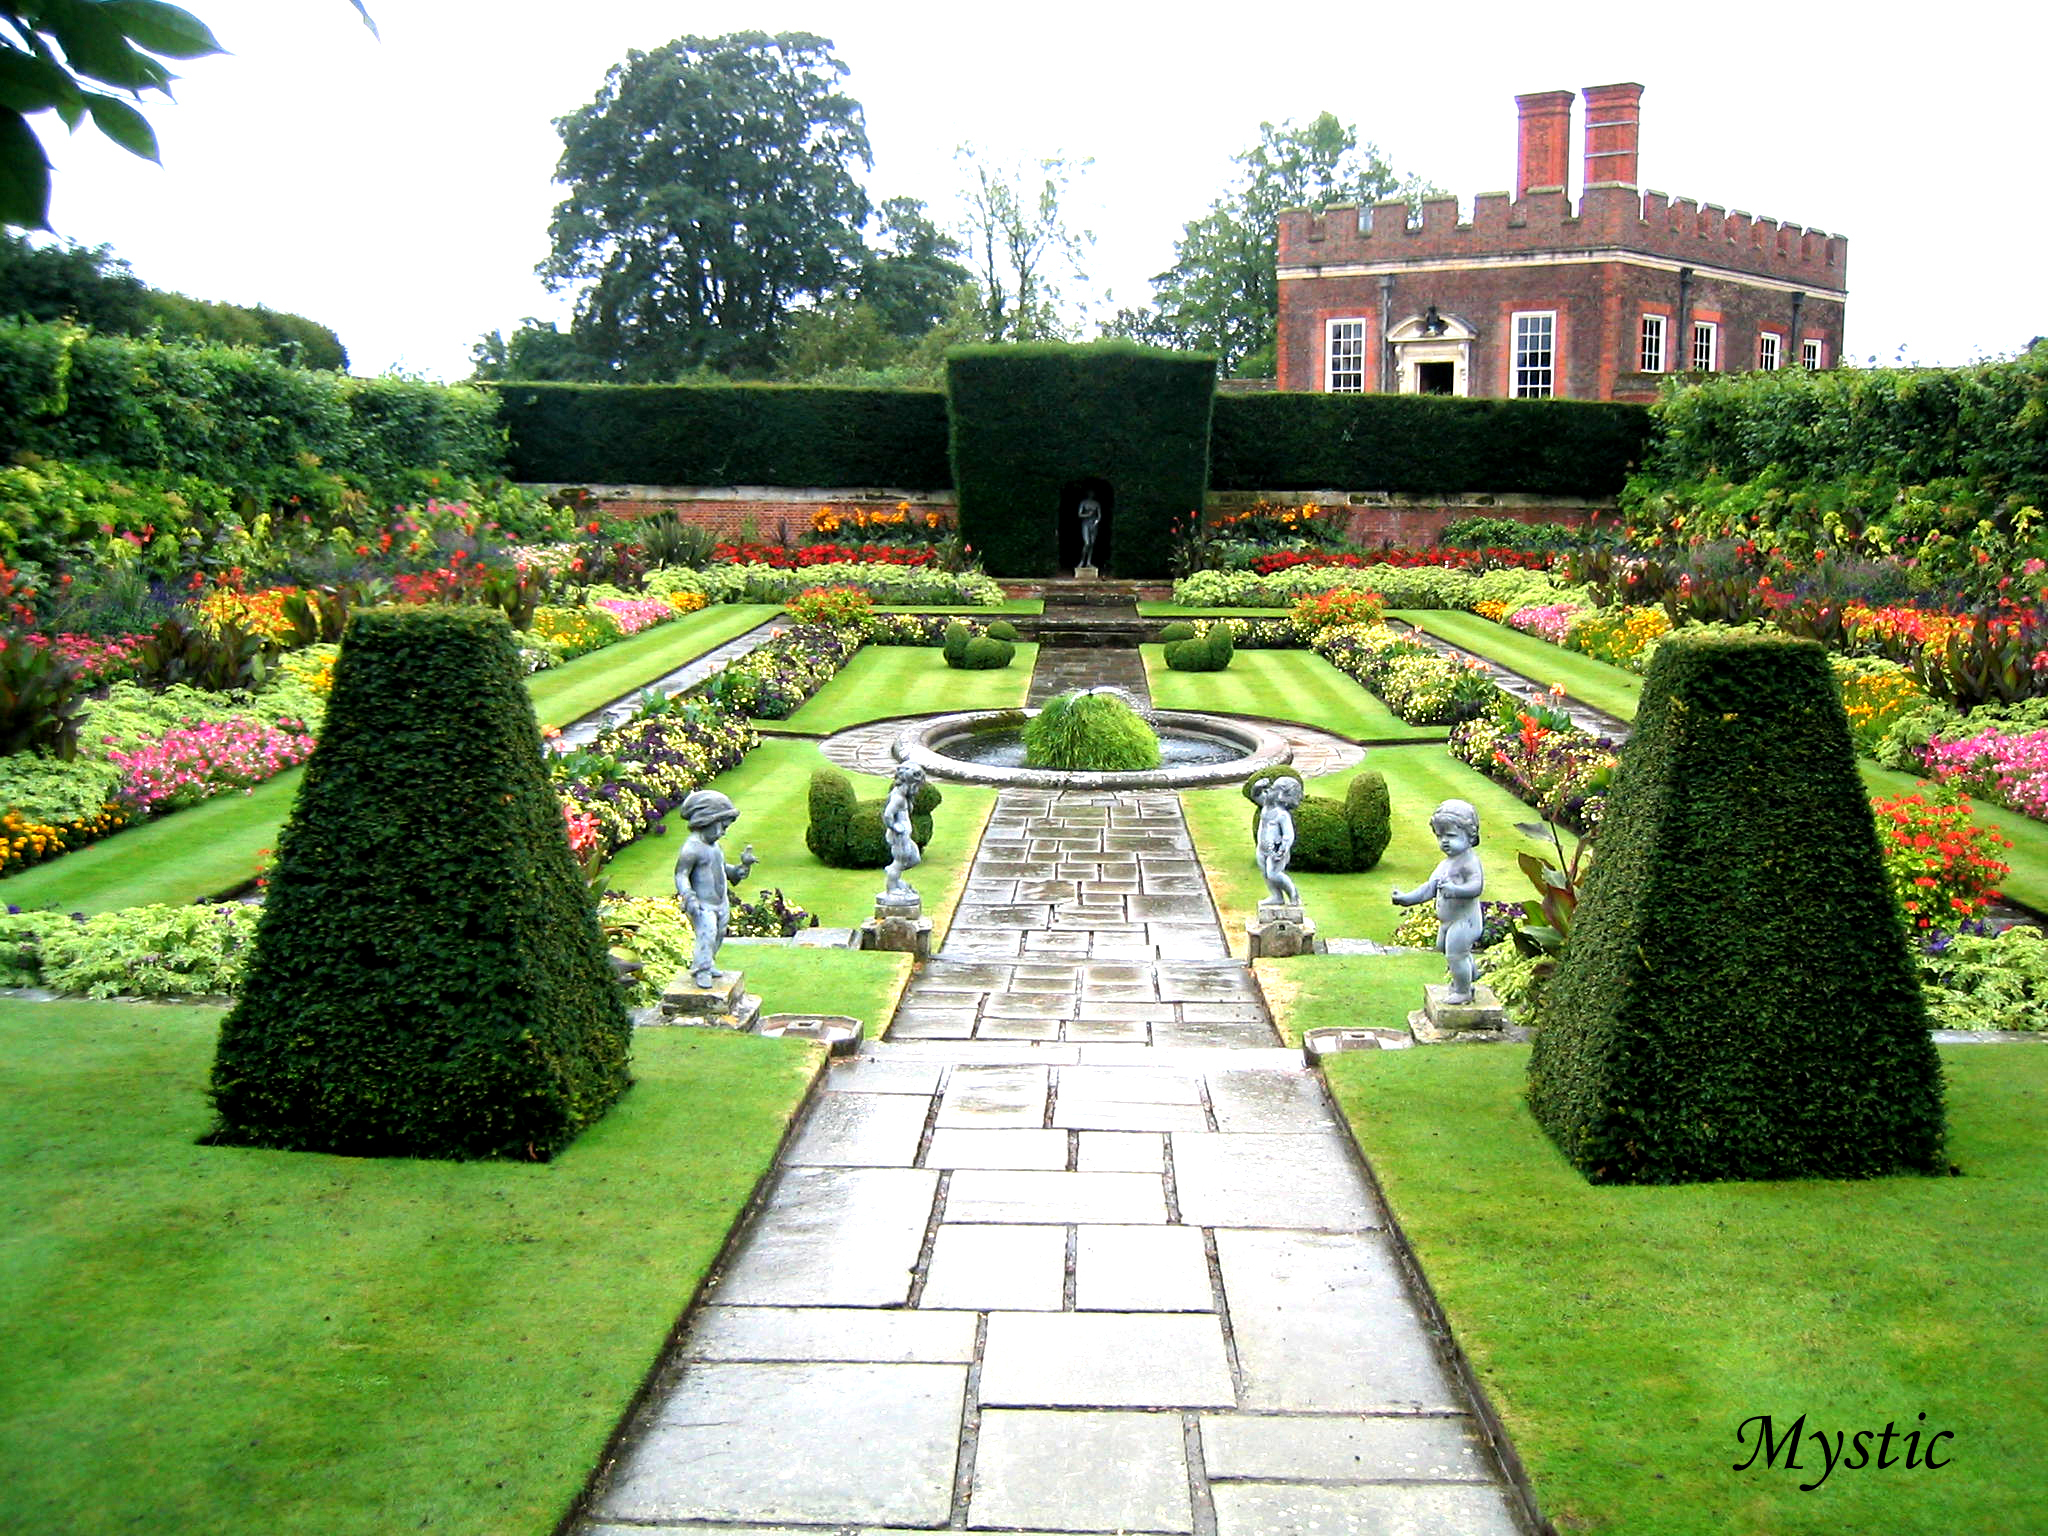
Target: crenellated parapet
1609 217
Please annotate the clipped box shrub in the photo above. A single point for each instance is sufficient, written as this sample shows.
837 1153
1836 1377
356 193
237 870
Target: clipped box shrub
429 977
977 650
1334 837
1738 1000
1207 651
845 831
1090 733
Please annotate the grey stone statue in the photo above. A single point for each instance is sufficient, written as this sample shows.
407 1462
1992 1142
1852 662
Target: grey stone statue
702 877
1090 513
904 854
1278 799
1456 884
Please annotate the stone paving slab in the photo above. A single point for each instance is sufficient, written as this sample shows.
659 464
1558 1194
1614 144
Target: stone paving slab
1121 1152
991 1097
1141 1269
997 1268
860 1130
1267 1100
1068 1471
1105 1360
830 1333
847 1236
1387 1448
1324 1324
868 1073
744 1442
1262 1179
960 1147
987 1194
1445 1509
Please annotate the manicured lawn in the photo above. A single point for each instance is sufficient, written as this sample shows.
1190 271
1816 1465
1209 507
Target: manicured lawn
1605 688
196 854
1627 1334
799 979
1177 611
1346 991
772 790
883 681
1283 685
1419 779
228 1341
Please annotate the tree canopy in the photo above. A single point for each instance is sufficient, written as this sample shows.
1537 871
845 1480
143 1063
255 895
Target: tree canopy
1020 244
1222 294
711 189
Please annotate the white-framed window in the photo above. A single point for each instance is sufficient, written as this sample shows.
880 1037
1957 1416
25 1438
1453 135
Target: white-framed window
1706 346
1813 354
1535 355
1770 350
1653 344
1344 371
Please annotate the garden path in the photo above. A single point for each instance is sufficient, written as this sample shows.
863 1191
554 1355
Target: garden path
1077 1248
1594 722
582 732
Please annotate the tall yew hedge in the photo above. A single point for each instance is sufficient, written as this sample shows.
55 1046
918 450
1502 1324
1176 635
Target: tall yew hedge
1738 1000
1029 422
429 978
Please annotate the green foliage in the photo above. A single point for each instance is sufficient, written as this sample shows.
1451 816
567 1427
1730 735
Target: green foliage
1020 244
1424 443
1177 631
95 288
237 421
1738 1000
727 434
712 184
52 790
1333 837
179 653
846 831
1222 294
1089 733
429 977
1209 651
985 653
1980 982
154 951
1028 421
38 698
1003 629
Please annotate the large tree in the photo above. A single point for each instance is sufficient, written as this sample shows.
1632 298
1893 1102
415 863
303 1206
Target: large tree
711 188
1222 294
1017 236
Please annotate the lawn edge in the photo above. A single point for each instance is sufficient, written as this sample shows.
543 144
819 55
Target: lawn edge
594 1482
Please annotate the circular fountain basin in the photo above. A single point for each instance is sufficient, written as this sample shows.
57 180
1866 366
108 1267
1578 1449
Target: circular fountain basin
987 748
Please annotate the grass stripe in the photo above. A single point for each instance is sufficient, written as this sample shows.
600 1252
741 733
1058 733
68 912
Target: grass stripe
1282 685
1606 688
883 681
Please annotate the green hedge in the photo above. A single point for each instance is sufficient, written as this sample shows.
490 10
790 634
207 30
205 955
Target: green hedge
846 831
727 434
429 977
1333 837
237 418
1896 426
1425 444
1032 424
1738 1000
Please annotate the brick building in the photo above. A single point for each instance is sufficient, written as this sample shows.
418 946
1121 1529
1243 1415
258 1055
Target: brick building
1533 298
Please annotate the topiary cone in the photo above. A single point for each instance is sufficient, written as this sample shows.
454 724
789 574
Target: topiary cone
429 978
1738 1000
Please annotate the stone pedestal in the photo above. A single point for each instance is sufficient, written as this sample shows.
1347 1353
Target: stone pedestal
1282 928
1439 1020
1087 573
898 925
725 1004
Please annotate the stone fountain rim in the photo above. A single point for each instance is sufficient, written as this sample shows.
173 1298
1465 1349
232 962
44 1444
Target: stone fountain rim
917 743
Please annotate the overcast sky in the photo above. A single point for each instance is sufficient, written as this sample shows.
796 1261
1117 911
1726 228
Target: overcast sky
399 190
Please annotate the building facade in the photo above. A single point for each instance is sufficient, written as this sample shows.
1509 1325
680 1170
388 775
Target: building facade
1535 298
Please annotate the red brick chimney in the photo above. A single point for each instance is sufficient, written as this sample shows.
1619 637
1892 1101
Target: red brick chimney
1613 118
1543 150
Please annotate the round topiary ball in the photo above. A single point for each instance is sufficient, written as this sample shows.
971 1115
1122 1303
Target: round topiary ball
985 653
1003 629
1179 630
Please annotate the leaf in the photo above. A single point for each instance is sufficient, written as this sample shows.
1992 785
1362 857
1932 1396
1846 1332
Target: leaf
1535 829
94 45
24 175
164 29
124 125
30 83
364 12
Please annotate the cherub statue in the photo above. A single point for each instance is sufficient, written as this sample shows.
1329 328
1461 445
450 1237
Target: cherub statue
1456 884
702 877
1278 799
904 854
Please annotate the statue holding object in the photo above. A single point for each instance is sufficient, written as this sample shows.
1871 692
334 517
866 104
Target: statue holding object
703 877
1456 884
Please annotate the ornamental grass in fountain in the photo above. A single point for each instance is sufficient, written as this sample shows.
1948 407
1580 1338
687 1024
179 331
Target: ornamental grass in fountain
1090 733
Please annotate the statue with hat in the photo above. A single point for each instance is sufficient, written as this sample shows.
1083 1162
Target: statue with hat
703 877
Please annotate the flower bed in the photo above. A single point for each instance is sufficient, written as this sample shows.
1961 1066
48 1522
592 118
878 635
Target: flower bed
783 557
631 776
1421 586
2006 768
773 680
1419 683
189 764
1557 768
633 614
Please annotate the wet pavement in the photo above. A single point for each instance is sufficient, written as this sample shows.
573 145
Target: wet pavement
1077 1247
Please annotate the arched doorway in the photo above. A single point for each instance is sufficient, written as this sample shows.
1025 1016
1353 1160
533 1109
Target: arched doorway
1072 494
1433 354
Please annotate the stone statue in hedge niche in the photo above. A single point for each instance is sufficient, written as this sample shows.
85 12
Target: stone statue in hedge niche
904 854
1456 884
703 877
1090 513
1278 800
